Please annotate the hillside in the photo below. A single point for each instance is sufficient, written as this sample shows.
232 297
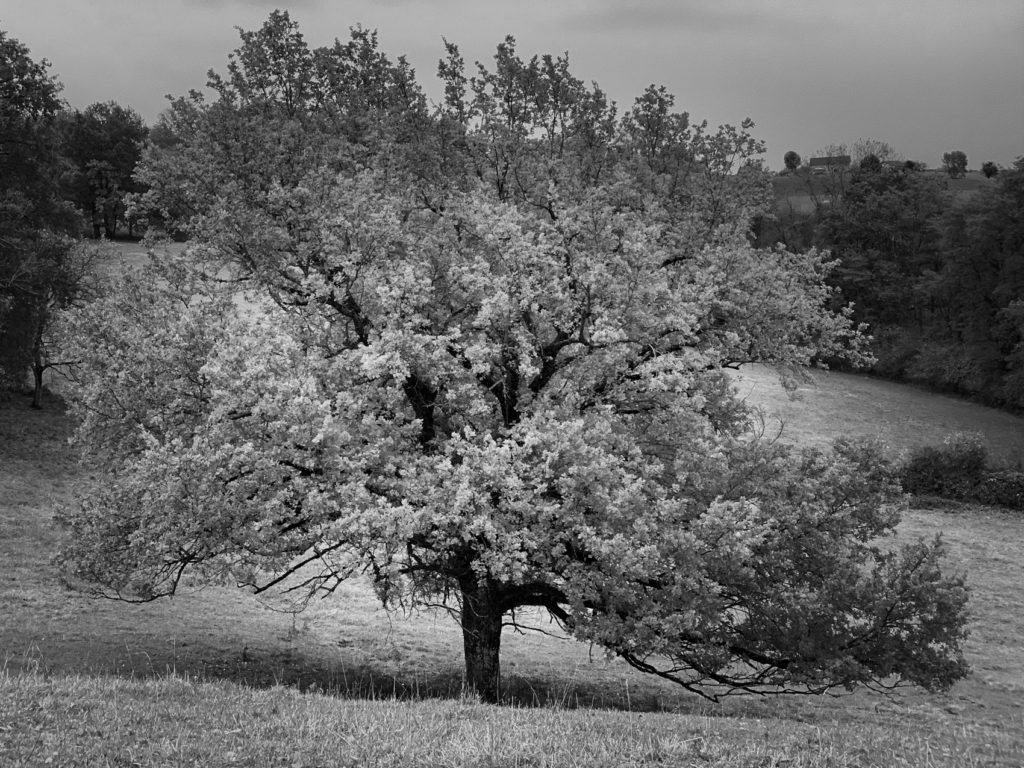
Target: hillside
832 404
196 680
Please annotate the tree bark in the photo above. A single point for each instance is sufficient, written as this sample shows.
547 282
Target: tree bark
95 216
109 223
481 638
38 368
37 386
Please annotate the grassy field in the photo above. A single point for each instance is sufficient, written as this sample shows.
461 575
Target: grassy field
215 677
833 404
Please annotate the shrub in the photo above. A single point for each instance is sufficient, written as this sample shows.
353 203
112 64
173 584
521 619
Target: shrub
953 471
960 368
958 470
871 164
895 349
1004 489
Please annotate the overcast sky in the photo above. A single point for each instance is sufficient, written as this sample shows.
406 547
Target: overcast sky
927 76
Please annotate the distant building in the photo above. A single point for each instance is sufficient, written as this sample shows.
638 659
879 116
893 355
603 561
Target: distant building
829 164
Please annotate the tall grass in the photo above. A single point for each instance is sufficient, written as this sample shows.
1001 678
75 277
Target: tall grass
104 721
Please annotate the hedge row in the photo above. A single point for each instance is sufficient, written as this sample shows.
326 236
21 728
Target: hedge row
959 470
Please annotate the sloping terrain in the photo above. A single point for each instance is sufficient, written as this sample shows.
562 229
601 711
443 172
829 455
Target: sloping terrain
348 646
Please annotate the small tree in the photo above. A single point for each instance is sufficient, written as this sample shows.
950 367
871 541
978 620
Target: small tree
490 374
62 275
955 163
990 169
870 164
882 150
792 161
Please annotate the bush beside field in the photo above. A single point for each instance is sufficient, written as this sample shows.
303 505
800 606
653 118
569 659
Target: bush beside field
960 470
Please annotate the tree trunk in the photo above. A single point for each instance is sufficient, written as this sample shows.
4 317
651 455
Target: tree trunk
38 366
110 222
37 390
481 638
94 215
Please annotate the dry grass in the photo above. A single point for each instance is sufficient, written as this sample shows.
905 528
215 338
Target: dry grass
833 404
215 677
82 721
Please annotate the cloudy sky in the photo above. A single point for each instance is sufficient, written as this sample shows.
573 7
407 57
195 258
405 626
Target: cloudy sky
927 76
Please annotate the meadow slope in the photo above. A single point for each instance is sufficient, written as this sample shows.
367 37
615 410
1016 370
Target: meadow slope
198 679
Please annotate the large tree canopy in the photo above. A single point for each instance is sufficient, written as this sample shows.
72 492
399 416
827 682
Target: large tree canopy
477 354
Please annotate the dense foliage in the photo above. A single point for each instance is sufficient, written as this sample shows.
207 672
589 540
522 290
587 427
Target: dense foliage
960 470
38 265
953 470
476 352
955 163
937 276
102 144
58 168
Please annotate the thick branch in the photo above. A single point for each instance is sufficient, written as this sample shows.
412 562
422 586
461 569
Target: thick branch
422 397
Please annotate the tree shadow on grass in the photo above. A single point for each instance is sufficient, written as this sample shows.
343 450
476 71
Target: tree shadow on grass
49 630
263 667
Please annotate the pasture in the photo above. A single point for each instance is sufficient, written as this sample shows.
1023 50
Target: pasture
216 677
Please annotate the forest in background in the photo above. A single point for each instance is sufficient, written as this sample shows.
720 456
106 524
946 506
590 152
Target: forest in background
932 261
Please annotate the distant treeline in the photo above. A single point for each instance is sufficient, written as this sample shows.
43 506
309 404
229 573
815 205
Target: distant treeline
936 273
64 173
